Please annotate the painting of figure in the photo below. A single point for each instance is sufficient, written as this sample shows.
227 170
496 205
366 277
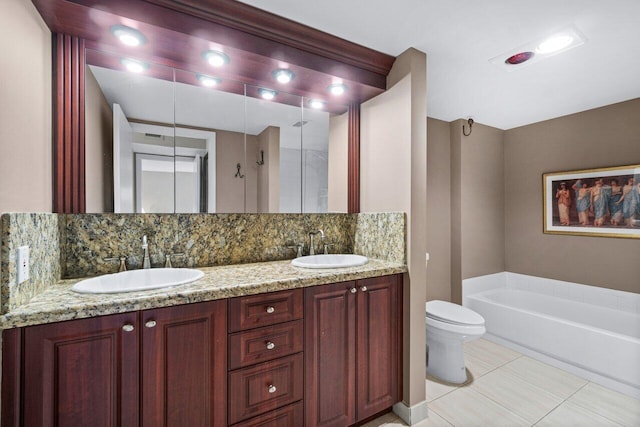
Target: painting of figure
596 202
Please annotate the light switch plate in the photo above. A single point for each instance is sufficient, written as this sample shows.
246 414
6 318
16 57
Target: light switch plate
22 262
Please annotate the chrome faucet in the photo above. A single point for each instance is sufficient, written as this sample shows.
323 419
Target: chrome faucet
312 250
146 262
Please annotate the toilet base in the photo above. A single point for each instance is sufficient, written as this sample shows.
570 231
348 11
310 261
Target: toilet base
445 360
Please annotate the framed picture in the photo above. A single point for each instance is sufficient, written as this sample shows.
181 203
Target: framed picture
594 202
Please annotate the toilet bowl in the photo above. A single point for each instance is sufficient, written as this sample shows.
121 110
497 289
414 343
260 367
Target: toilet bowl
448 326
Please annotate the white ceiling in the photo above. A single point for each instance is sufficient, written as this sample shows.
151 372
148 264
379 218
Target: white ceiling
146 98
460 36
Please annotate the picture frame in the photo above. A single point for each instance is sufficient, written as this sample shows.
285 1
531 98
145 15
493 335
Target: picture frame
603 202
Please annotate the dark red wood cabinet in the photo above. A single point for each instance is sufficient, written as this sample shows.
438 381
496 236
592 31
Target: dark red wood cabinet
352 350
82 372
161 367
327 355
183 365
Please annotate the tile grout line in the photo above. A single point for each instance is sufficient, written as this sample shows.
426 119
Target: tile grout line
590 409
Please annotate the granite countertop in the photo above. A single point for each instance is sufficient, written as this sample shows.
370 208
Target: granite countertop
58 302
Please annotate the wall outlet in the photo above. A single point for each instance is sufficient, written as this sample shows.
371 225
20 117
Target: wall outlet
23 263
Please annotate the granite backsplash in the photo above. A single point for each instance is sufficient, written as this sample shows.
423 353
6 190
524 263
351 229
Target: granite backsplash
39 231
76 245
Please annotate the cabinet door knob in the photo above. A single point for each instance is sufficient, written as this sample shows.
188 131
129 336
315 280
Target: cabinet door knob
272 388
363 289
271 309
354 290
150 324
270 345
127 327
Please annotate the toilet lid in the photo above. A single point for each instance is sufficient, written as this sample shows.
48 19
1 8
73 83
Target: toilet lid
453 313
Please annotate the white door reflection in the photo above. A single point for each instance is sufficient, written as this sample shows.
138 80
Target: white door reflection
174 169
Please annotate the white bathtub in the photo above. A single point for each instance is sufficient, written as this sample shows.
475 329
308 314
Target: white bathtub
593 332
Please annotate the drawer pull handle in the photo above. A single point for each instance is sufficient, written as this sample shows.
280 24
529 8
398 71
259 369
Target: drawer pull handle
272 388
270 345
363 289
271 309
354 290
127 327
150 324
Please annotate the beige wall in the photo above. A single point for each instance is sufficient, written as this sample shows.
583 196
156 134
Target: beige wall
230 190
596 138
393 177
25 106
439 210
338 163
477 203
269 173
99 147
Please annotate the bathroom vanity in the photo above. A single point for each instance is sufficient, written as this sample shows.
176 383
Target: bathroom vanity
287 347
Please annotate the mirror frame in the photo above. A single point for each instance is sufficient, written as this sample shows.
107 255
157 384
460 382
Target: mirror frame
248 30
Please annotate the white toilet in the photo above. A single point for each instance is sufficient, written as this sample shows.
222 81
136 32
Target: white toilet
448 326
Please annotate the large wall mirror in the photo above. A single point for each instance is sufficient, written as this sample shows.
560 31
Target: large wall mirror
188 148
163 140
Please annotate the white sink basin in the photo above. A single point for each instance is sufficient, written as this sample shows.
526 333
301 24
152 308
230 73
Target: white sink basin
330 261
137 280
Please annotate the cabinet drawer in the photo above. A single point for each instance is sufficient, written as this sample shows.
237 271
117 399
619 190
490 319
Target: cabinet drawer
264 344
289 416
265 309
265 387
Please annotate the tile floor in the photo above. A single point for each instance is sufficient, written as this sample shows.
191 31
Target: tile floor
507 388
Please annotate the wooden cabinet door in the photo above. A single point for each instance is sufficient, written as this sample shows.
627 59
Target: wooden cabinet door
379 347
82 372
183 364
330 356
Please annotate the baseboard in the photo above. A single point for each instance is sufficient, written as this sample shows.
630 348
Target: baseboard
411 414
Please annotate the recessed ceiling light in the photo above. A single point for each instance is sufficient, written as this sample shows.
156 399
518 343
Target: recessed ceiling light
554 43
134 65
128 36
519 58
283 76
530 53
267 94
208 81
216 58
337 89
316 103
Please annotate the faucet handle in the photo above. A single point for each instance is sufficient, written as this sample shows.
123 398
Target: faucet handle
325 247
298 247
167 262
122 260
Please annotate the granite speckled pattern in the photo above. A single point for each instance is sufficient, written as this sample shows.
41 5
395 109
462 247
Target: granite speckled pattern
203 239
40 232
381 235
59 302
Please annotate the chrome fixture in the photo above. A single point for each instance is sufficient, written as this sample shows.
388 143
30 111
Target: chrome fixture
298 247
146 262
167 259
123 263
325 247
312 250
